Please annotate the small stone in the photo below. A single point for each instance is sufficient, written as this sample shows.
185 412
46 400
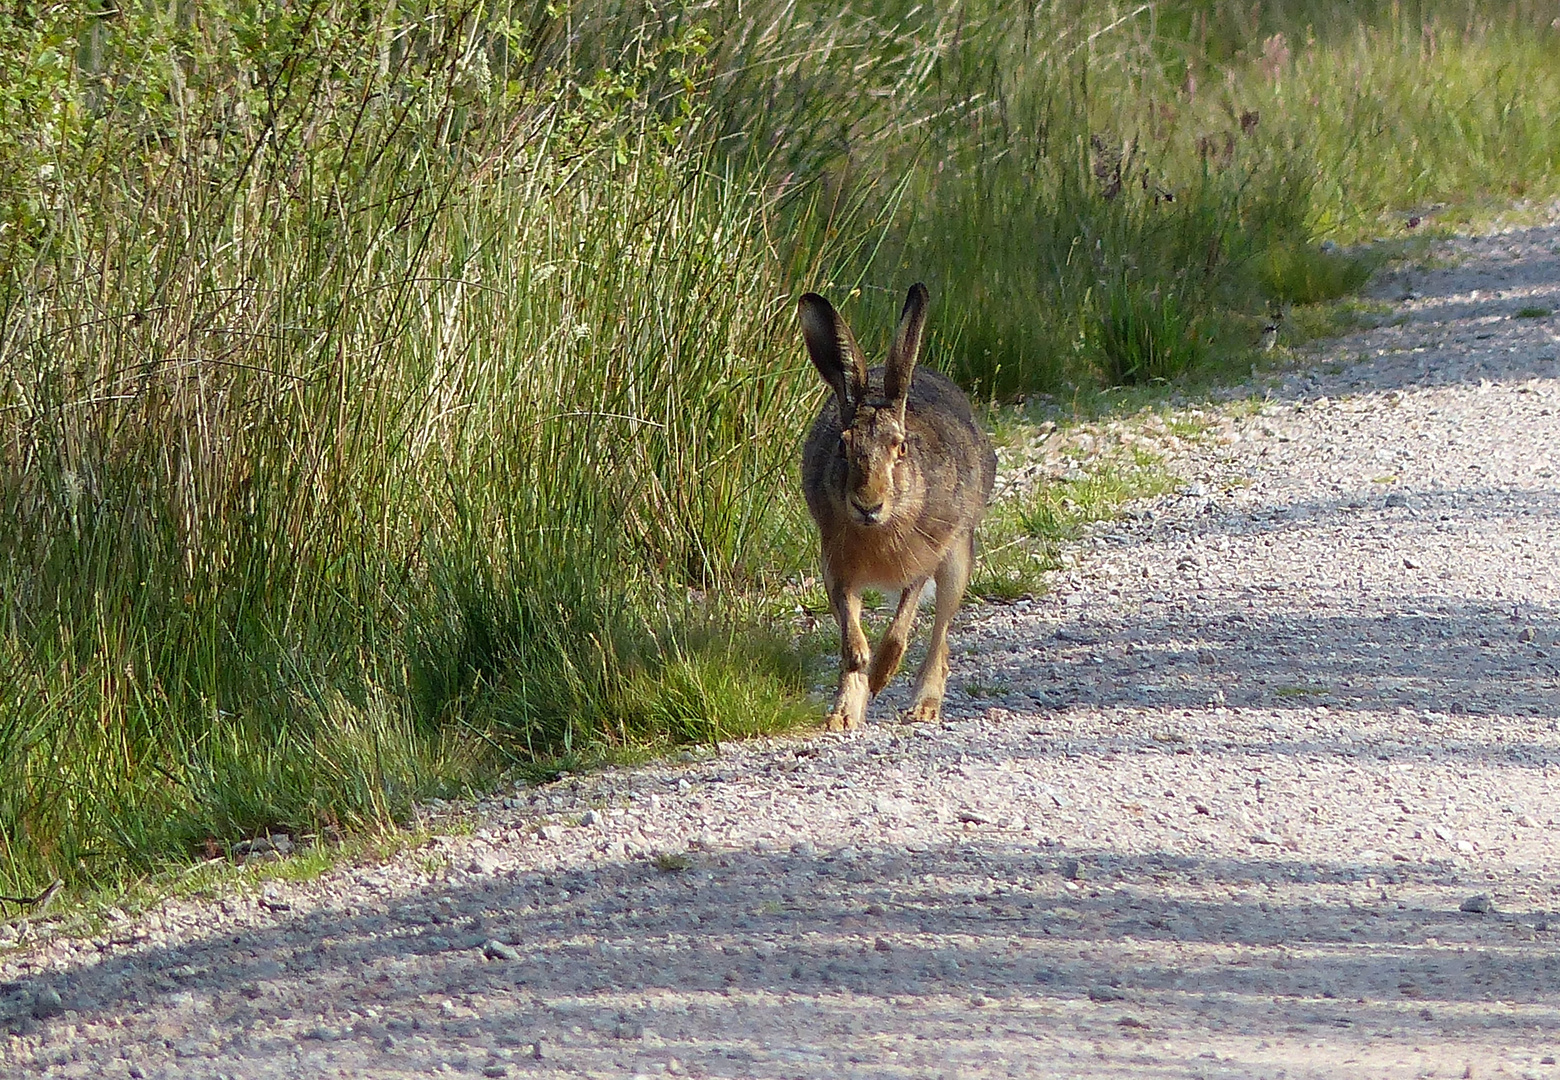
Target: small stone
1527 821
1527 635
1479 905
46 1003
590 817
1542 926
495 1069
1464 847
1397 498
1411 564
536 1050
1547 1059
1105 993
1441 834
497 950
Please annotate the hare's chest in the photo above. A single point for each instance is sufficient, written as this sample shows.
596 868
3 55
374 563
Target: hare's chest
886 559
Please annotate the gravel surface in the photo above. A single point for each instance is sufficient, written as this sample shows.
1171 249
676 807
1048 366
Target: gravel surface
1266 787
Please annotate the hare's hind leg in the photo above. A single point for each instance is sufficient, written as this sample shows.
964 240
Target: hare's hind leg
891 649
953 577
850 707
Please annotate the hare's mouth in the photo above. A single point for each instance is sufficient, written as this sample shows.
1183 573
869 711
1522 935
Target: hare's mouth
866 515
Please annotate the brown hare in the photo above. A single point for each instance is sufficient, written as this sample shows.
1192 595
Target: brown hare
896 473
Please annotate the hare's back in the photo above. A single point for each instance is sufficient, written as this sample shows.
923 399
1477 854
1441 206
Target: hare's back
940 413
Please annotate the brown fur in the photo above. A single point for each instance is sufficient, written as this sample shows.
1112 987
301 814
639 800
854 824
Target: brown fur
896 473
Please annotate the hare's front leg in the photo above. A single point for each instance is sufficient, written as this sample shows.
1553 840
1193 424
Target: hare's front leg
953 577
890 650
850 707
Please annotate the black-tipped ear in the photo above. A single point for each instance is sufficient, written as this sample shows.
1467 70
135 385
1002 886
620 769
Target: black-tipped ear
906 348
834 351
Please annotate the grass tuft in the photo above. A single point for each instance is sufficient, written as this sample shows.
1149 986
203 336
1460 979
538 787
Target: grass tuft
1148 336
1306 275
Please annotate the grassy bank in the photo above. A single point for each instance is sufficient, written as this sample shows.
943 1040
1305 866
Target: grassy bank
389 398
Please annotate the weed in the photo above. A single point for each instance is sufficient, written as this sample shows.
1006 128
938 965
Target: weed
1534 312
977 689
672 863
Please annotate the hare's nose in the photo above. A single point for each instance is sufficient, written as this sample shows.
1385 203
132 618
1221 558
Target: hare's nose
869 514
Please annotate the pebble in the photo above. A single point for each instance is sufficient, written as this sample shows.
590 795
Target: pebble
497 950
47 1003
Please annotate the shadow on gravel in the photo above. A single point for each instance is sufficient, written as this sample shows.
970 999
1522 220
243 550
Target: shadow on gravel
814 952
1439 656
1243 645
1462 337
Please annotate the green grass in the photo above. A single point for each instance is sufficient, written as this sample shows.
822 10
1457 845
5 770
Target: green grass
392 400
977 689
1534 312
672 863
1301 691
1304 275
1022 537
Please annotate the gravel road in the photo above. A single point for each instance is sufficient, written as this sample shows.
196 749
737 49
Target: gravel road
1218 806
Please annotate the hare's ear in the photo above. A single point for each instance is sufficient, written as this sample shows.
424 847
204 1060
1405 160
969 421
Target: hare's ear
907 346
834 352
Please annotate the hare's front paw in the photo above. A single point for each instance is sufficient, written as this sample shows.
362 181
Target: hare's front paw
925 711
840 720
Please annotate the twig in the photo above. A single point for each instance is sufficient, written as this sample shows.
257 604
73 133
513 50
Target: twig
39 902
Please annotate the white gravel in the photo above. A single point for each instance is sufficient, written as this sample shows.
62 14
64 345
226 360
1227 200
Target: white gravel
1219 813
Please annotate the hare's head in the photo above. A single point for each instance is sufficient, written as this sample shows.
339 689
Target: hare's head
880 473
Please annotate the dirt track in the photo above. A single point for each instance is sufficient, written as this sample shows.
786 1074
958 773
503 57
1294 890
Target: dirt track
1214 814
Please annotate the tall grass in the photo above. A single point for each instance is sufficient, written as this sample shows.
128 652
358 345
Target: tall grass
389 396
348 438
